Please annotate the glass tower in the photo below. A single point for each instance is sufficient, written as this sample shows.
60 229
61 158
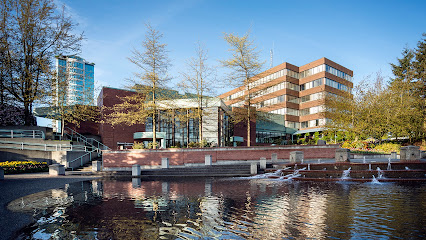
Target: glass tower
77 78
74 85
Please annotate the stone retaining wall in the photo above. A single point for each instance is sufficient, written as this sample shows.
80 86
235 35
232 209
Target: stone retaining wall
127 158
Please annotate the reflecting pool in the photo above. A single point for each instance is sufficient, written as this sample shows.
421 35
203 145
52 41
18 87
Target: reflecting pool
225 209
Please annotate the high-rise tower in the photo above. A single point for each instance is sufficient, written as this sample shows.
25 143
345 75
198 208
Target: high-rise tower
77 76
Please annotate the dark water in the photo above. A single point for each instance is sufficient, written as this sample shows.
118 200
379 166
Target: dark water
226 209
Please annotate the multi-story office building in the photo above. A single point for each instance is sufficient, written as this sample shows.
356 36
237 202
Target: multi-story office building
78 74
294 92
75 83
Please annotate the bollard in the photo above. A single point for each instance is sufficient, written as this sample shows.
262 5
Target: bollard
164 162
253 169
274 157
208 160
1 174
262 163
296 156
409 153
342 155
96 166
136 170
56 169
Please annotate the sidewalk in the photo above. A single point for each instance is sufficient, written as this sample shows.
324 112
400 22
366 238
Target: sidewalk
19 185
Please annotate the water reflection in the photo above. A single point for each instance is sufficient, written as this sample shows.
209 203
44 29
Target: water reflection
225 209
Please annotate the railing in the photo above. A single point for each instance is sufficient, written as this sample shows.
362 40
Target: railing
21 133
86 140
44 147
81 158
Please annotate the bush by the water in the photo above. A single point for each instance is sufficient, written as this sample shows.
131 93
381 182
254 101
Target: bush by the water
370 147
388 147
23 167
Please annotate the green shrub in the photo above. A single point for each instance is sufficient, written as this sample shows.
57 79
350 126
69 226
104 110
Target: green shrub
192 145
151 145
388 147
137 145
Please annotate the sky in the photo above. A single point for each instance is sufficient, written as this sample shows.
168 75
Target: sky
364 36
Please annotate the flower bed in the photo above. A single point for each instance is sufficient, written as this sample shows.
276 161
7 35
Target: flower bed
24 167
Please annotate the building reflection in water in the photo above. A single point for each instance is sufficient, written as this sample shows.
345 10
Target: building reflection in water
199 208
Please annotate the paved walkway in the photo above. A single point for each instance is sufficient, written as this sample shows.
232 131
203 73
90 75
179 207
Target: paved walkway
19 185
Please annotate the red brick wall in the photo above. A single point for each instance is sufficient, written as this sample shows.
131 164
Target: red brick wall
120 133
112 159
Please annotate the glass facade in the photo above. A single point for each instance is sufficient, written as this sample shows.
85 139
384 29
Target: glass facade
79 76
181 129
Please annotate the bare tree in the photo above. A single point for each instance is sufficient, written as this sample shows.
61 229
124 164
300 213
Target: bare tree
198 79
243 64
32 32
149 83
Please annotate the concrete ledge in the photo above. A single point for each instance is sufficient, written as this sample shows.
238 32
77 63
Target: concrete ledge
56 170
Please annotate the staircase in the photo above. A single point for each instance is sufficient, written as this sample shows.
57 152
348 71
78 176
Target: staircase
94 146
200 171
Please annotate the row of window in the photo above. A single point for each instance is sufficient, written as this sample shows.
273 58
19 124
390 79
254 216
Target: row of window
286 111
312 97
292 124
338 73
337 85
296 112
313 123
295 87
306 73
312 84
312 110
278 74
269 137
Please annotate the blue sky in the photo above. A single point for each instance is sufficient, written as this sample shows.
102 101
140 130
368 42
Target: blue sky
364 36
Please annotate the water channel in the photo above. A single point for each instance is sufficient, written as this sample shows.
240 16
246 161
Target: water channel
231 208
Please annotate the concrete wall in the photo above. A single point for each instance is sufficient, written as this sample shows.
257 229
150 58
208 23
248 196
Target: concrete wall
24 155
126 158
61 157
65 158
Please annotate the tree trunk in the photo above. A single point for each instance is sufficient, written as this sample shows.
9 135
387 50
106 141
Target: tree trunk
28 117
248 126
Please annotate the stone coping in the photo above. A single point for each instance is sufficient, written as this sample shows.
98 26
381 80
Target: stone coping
290 147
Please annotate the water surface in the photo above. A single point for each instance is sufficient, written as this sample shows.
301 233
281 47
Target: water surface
226 209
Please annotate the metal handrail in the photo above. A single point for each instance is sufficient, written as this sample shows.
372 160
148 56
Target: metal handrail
21 133
100 145
81 158
43 146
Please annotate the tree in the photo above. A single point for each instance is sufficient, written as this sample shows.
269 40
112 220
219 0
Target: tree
407 90
67 110
363 114
243 64
32 32
198 80
149 84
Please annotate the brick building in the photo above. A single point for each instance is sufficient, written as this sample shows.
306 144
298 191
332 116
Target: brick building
295 93
171 131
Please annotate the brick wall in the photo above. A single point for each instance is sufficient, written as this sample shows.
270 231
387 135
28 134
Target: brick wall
114 159
120 133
